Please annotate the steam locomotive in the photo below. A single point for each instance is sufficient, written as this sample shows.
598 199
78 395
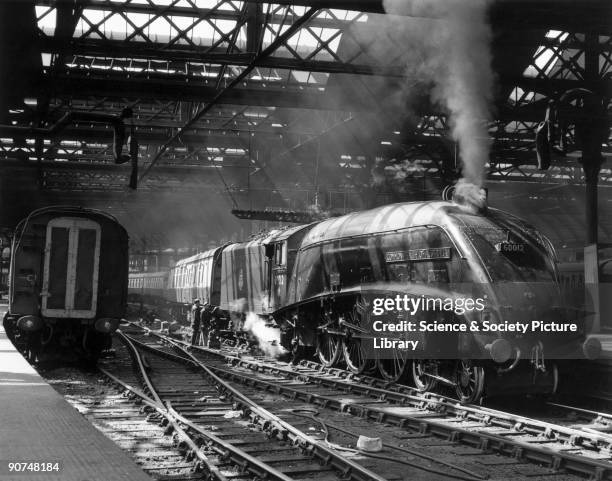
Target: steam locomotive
316 284
68 283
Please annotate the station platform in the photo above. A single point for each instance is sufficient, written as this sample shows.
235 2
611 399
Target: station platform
37 425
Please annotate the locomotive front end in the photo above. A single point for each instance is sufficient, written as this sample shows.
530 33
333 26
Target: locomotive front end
526 329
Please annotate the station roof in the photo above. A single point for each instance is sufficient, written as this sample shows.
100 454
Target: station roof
268 105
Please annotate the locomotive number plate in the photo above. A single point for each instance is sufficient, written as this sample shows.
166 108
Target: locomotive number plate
509 247
419 254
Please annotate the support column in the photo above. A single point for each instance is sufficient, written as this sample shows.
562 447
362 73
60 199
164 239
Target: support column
591 165
590 130
591 143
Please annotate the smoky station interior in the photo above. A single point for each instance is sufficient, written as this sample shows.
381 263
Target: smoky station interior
332 240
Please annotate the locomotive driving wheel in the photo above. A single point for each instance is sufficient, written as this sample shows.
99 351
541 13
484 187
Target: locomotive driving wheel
469 381
393 369
329 348
355 356
420 368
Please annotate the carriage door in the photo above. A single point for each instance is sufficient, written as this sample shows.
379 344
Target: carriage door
70 279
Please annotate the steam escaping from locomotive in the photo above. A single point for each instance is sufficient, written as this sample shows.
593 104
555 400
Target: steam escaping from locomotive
267 337
471 197
456 58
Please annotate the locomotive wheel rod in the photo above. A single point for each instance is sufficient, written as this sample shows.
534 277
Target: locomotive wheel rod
324 328
354 327
349 467
334 332
442 379
440 404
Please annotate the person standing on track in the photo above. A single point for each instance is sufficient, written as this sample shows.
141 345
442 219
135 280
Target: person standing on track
213 334
196 318
206 318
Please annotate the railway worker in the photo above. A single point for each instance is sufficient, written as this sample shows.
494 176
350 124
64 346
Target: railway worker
206 322
196 317
149 317
213 335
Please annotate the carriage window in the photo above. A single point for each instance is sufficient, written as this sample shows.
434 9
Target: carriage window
58 265
70 277
280 254
85 268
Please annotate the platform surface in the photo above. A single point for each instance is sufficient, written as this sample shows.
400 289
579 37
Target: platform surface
37 424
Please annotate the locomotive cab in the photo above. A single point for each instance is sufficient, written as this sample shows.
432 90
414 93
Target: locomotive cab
281 251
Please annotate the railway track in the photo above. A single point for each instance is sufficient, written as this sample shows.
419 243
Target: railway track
119 414
241 439
582 418
571 448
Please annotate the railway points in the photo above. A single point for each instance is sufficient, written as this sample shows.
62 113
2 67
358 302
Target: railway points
567 449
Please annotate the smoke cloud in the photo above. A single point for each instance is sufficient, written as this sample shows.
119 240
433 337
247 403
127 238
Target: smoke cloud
268 337
448 46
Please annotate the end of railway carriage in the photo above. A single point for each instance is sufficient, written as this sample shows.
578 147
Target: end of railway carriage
68 282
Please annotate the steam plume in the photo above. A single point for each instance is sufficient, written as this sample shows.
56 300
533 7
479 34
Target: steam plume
454 55
268 337
470 196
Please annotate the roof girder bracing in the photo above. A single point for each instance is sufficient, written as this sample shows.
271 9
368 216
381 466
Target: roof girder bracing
293 98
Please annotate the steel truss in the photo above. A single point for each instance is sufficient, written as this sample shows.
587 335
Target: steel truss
169 62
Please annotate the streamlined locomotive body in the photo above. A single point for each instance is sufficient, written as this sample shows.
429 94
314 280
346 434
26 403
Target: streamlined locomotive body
317 283
68 282
429 250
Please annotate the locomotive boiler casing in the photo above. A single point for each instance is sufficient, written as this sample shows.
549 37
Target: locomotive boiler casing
317 282
428 249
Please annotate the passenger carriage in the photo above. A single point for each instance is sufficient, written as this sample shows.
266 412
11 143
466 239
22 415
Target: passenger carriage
68 281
